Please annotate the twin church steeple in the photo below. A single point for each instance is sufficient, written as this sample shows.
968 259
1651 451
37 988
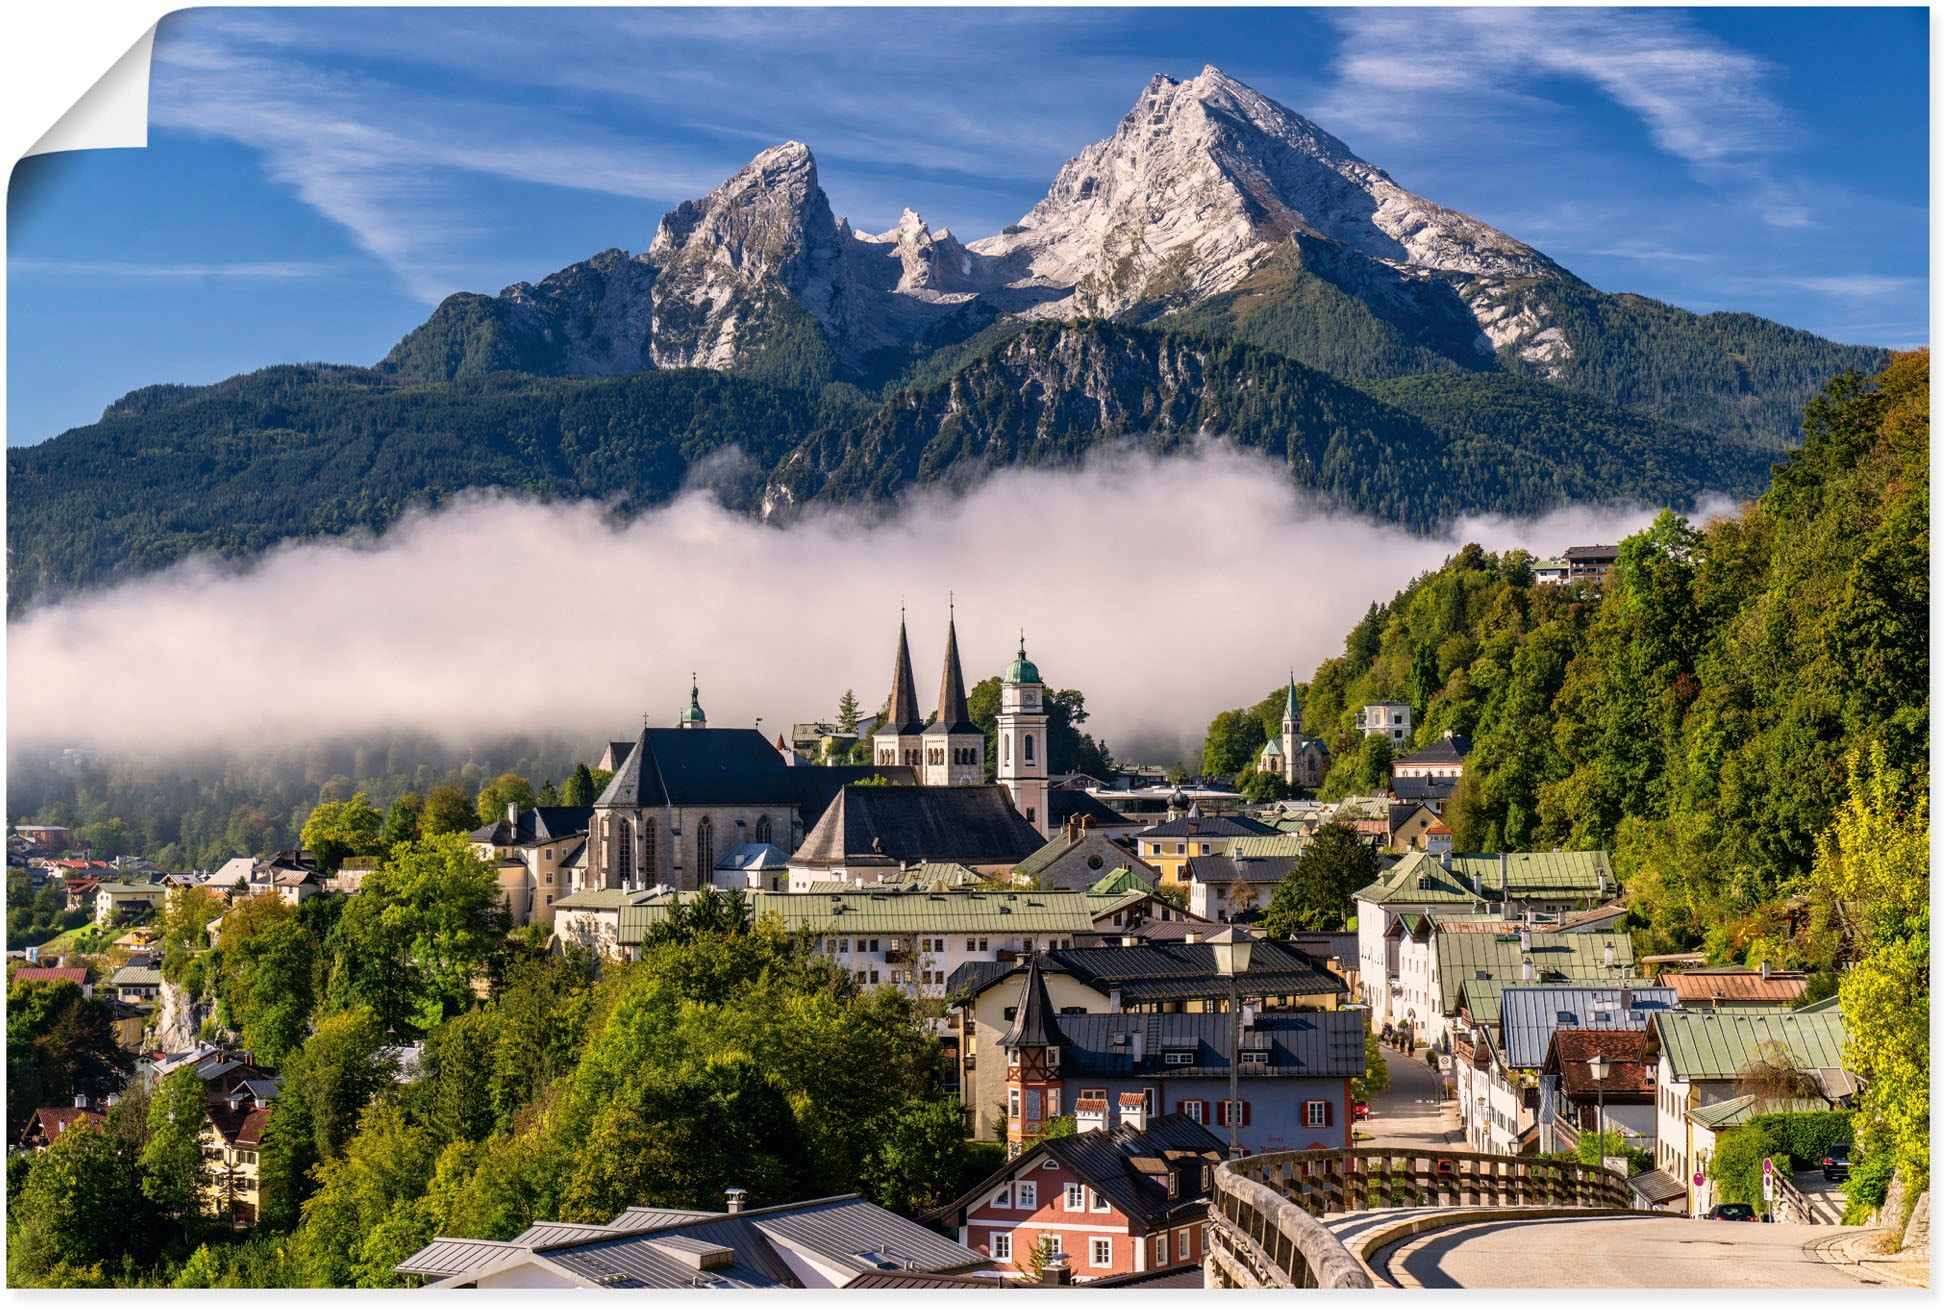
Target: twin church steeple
951 750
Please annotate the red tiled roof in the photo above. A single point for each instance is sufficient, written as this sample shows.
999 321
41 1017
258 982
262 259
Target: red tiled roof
1569 1053
47 1123
1694 986
75 974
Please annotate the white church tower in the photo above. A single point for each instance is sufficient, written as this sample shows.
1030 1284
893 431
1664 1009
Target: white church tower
1023 740
1294 729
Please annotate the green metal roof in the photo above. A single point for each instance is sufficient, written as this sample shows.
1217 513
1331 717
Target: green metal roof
1823 1004
952 912
1716 1045
1736 1111
1421 878
1023 670
1557 958
1268 845
1120 880
597 899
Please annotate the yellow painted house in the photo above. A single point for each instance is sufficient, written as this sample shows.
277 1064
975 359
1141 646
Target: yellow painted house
1169 846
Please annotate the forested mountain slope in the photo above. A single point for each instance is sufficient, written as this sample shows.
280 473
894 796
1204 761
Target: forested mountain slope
304 451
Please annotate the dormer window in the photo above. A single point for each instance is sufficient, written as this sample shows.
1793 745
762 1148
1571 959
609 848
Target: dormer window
1054 1058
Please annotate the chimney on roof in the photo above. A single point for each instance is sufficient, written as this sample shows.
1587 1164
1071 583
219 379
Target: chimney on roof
1527 940
1764 970
1091 1114
513 814
1527 971
733 1199
81 1100
1130 1107
1115 994
1446 862
1056 1271
1608 955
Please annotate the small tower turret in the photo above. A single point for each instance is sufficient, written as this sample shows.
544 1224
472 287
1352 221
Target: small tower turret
1022 740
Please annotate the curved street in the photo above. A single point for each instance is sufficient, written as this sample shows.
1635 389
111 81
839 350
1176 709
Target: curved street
1411 1113
1617 1252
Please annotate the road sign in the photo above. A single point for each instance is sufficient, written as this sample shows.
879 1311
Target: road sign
1767 1166
1698 1179
1767 1188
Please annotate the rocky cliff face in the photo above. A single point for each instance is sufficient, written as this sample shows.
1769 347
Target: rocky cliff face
178 1020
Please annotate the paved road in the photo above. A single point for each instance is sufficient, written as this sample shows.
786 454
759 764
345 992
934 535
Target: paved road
1412 1113
1618 1252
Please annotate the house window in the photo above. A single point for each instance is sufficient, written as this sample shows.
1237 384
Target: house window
1315 1114
1193 1108
550 901
1183 1244
1206 849
1103 1094
1101 1251
548 878
1179 849
1072 1200
868 945
1027 749
1024 1196
1256 1057
1234 1113
1001 1244
1179 1059
1013 1104
874 977
1162 1249
1096 1202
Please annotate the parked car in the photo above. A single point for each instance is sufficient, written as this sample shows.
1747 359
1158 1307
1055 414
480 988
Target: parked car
1733 1212
1838 1161
1360 1111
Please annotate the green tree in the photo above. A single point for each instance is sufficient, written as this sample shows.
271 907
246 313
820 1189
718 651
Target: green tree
1317 894
1375 773
337 830
1232 742
59 1044
269 983
401 821
1379 1076
73 1209
580 788
447 811
491 805
918 1163
173 1173
1261 786
848 712
186 915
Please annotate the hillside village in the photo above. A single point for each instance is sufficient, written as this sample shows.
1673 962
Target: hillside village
1125 982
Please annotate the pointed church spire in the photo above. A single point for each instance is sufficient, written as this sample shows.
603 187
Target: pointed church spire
953 689
1035 1025
904 715
1291 697
692 717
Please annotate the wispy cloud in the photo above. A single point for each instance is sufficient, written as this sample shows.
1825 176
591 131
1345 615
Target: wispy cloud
1856 286
1698 99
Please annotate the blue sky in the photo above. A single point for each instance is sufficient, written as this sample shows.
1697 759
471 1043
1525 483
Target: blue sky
317 179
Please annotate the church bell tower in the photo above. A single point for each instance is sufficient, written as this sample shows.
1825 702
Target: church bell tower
1023 741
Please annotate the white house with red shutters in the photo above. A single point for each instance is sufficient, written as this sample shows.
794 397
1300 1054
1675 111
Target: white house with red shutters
1117 1200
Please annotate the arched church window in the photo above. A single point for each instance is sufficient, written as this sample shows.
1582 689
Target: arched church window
706 851
1027 749
1007 752
624 852
648 852
763 829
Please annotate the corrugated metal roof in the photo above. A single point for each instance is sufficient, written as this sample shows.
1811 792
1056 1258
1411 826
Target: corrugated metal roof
1533 876
1557 958
1736 1111
1325 1044
1165 972
1716 1045
1530 1016
452 1257
951 911
1733 986
545 1234
1268 845
636 1219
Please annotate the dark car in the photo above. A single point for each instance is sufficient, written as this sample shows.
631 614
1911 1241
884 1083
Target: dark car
1838 1161
1733 1212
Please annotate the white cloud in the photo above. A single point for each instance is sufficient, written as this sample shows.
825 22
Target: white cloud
1699 99
1166 591
273 270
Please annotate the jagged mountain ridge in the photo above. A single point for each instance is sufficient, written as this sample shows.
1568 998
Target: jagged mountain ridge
1206 192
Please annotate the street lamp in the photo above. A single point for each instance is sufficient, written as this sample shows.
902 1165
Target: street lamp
1599 1072
1232 948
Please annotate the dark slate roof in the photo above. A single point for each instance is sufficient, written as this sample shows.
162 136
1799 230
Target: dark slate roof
1422 789
905 718
1322 1044
1066 802
973 824
845 1232
1207 826
818 785
1104 1160
537 824
1188 1275
700 767
1449 749
923 1280
1163 972
1034 1016
1591 553
1222 871
952 715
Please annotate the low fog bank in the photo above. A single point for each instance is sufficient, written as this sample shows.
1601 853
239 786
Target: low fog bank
1166 590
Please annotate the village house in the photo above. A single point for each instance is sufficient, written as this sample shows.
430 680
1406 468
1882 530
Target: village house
1226 887
1293 1070
527 849
1116 1198
1576 1101
115 900
1701 1057
1389 720
828 1243
753 867
1156 979
137 984
76 975
1080 855
1430 774
1702 989
1168 847
48 1123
